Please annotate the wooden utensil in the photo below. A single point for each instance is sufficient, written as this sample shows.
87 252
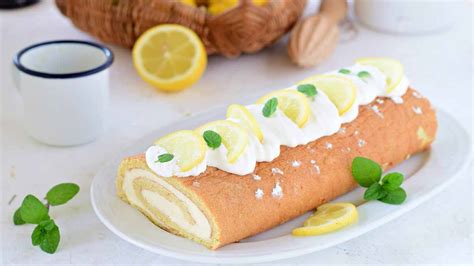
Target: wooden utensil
314 38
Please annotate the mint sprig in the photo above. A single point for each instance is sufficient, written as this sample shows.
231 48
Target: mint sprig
32 211
308 89
368 173
344 71
212 138
363 75
165 157
270 107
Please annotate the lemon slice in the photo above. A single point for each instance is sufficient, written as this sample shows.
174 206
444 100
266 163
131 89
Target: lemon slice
234 137
187 146
241 113
169 57
294 105
340 90
328 218
393 69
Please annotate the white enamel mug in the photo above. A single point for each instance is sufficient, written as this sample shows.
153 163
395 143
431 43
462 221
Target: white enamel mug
64 85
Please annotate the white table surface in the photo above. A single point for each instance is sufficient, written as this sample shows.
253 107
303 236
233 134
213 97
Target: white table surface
440 66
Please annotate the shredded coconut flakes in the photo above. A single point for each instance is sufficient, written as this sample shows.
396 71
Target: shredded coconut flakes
361 143
296 163
277 192
318 171
328 145
259 194
277 171
417 95
417 110
256 177
376 110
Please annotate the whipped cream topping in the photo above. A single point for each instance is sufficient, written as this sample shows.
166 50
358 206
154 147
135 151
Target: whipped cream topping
279 130
170 168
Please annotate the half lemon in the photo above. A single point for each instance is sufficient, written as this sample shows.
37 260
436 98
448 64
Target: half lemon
170 57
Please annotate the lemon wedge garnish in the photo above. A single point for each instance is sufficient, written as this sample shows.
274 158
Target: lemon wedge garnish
327 218
187 146
234 137
392 69
242 114
292 103
340 90
170 57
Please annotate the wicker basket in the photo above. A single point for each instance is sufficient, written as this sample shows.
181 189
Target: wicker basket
244 29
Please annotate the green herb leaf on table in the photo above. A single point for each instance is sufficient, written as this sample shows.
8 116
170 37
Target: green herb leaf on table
212 138
308 89
32 210
368 174
374 192
61 193
344 71
396 196
392 181
363 74
365 171
165 157
17 220
270 107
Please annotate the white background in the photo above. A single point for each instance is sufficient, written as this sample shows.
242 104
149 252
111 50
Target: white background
440 66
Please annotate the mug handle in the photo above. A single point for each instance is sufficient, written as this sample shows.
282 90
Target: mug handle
15 76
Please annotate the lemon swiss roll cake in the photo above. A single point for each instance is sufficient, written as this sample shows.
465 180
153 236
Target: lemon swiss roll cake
271 161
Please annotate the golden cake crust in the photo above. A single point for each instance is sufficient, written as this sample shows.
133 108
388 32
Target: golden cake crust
313 174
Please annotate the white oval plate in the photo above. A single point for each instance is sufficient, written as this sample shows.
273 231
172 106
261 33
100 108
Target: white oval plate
427 173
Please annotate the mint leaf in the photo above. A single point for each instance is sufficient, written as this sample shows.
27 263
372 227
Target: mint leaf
363 74
17 220
365 171
62 193
396 196
32 210
48 225
344 71
212 139
50 242
308 89
392 181
38 235
374 192
165 157
270 107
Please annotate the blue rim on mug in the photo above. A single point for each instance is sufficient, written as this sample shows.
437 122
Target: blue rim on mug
107 52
